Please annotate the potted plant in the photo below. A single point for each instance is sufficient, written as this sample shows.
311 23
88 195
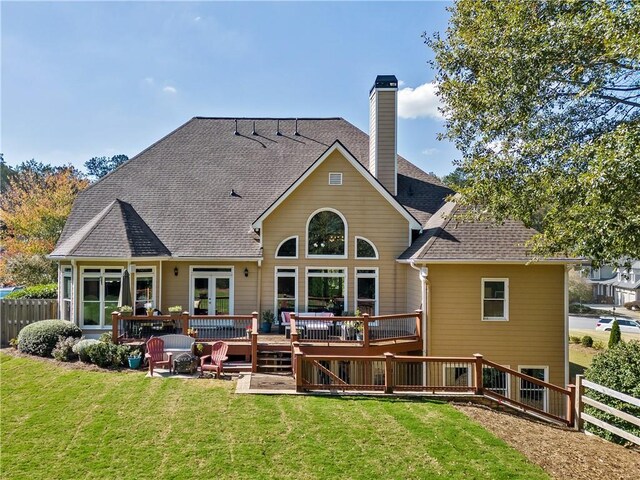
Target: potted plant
249 332
267 319
126 310
149 308
192 332
354 328
135 357
198 349
175 311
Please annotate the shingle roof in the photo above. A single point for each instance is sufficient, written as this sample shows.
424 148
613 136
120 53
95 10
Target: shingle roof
445 238
116 231
181 186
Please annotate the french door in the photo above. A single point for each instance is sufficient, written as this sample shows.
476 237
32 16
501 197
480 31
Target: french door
212 292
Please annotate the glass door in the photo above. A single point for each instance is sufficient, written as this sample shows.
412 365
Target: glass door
211 295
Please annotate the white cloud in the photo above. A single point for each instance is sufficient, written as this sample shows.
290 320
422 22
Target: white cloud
400 83
429 151
169 89
197 19
419 102
149 81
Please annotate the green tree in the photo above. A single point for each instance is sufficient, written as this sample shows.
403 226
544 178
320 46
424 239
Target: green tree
543 101
580 290
615 337
98 167
456 179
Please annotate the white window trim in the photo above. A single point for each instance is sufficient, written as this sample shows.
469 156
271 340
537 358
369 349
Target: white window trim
230 274
277 274
283 242
345 274
101 276
152 274
462 365
504 318
335 184
65 271
355 249
366 275
346 236
545 398
507 379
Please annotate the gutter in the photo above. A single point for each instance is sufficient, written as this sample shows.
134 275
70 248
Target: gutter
424 283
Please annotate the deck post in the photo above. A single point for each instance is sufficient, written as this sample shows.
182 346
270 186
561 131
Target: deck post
419 323
185 323
254 351
571 405
254 322
365 332
388 372
115 320
478 374
297 362
294 329
579 404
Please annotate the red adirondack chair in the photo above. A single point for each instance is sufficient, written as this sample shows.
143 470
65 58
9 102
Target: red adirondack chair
156 355
217 358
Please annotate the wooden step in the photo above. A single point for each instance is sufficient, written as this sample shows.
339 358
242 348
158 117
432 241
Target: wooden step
237 367
276 359
279 367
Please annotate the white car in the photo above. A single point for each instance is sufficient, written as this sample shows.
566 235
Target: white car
626 325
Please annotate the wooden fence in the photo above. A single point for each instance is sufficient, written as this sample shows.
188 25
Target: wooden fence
16 314
582 417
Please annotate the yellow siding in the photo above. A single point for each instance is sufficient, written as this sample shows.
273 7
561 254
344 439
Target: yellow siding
414 290
383 137
534 334
368 215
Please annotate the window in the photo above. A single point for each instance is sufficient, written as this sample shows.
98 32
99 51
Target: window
367 290
495 381
530 393
286 291
67 284
326 233
211 290
335 178
100 296
326 290
495 299
145 288
456 375
288 248
365 249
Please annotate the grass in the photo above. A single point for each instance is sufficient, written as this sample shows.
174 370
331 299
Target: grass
580 357
61 423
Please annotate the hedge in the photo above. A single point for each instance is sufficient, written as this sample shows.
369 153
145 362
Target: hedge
48 290
40 338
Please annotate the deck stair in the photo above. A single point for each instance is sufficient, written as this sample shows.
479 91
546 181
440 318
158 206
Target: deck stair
237 367
274 361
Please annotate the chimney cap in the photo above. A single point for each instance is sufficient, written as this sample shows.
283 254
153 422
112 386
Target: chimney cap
385 81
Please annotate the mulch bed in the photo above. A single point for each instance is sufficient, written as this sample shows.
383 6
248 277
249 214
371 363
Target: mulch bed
561 452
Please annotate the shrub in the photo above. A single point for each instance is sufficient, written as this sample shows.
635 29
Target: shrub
615 336
81 348
40 338
48 290
635 305
108 354
63 350
574 339
577 308
598 345
587 341
105 338
619 369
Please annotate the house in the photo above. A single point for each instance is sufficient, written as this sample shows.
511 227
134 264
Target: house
616 285
226 216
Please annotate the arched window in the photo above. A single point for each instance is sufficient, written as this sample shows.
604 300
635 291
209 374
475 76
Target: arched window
326 233
288 248
365 248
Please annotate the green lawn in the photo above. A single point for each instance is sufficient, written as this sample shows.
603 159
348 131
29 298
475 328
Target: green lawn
60 423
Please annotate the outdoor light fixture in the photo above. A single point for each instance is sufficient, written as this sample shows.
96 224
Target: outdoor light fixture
175 271
246 272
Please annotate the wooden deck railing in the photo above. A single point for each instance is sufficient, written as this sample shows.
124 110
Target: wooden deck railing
445 375
205 328
364 330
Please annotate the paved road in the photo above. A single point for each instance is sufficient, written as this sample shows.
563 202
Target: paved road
586 323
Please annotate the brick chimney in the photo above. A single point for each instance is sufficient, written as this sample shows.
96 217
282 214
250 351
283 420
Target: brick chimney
383 131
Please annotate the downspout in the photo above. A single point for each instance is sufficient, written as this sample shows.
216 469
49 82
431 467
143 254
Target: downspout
566 325
259 287
424 285
74 286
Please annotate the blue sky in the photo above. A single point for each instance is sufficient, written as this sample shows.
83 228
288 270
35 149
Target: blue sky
89 79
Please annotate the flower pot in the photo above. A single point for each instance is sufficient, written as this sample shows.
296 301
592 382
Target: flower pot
175 314
359 336
134 362
265 327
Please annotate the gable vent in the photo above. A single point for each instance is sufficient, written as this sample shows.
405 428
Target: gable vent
335 178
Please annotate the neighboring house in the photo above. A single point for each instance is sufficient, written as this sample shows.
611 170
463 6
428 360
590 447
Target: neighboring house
227 215
616 285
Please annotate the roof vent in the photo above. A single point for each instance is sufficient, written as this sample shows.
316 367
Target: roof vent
253 132
278 128
296 132
234 194
235 132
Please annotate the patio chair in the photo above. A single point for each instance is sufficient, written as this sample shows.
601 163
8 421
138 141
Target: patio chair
217 358
156 355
